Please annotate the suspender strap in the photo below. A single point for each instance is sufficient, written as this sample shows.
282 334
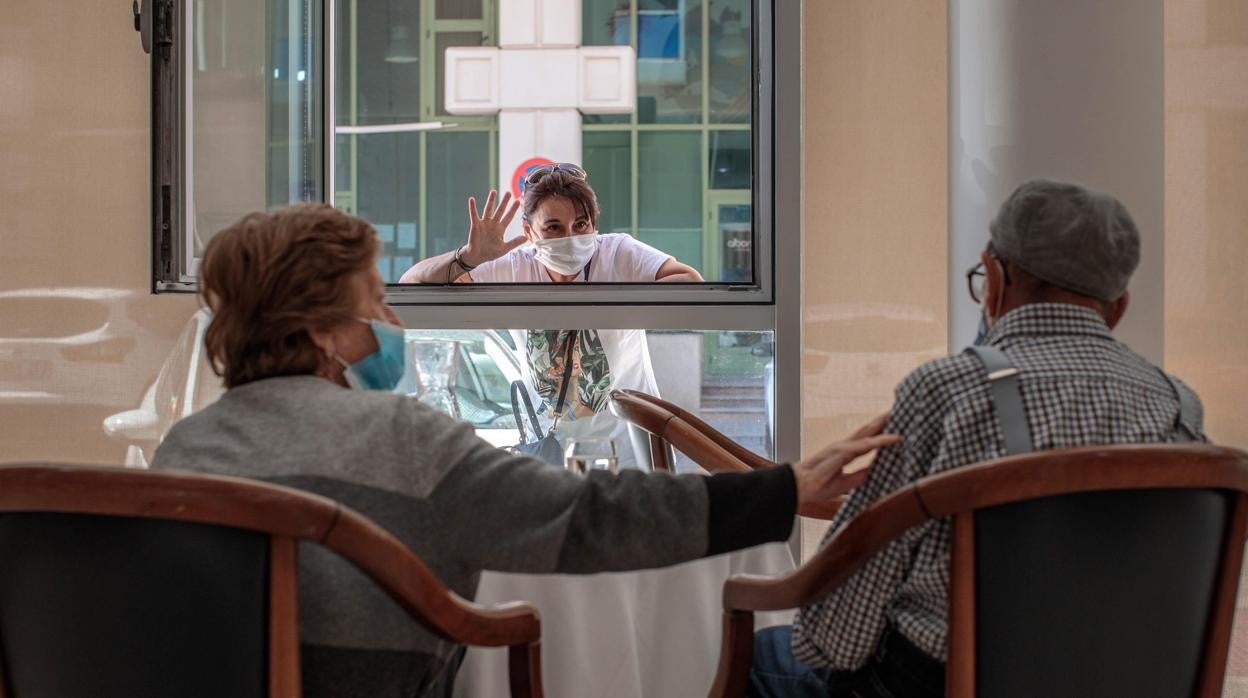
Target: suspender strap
1187 411
1007 398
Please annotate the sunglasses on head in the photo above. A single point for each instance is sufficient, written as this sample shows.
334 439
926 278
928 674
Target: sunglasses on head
537 174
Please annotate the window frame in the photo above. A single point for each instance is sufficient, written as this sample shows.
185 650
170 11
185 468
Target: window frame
174 270
772 303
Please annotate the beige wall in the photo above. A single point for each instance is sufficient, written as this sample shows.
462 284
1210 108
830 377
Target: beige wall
1207 230
1206 207
80 337
875 242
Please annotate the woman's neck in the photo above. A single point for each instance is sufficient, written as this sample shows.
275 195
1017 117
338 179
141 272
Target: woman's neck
562 278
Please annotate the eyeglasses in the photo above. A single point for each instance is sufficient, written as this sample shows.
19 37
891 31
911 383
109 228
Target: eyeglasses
536 175
976 277
975 282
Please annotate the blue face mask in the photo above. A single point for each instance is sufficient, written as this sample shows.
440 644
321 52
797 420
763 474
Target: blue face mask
384 368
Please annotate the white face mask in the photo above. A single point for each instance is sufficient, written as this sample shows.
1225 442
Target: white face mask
567 255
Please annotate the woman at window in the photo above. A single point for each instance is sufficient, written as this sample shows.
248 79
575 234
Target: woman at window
310 353
561 244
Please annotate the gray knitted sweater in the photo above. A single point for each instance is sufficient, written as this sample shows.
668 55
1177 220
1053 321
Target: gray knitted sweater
462 505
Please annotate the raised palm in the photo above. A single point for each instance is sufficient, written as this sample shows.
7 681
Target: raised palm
487 227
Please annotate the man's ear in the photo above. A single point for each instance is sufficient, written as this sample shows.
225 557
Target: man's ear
994 284
1117 309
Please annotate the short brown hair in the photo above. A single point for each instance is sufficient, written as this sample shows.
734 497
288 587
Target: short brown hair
269 277
562 184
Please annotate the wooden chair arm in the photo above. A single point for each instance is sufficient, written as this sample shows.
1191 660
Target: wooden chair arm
662 423
825 511
736 450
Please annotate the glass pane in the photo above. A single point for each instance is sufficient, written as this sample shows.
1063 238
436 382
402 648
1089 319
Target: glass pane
669 182
254 88
669 62
735 237
731 164
726 378
459 167
606 23
459 9
736 393
608 160
382 85
443 41
388 196
731 60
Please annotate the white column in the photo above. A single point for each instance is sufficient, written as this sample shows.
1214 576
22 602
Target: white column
539 80
1066 89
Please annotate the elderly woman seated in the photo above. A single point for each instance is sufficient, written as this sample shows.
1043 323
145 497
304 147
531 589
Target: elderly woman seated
310 352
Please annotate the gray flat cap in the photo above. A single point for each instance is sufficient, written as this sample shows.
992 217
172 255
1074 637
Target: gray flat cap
1081 240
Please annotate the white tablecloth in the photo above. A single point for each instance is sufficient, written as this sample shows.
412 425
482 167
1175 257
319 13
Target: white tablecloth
651 634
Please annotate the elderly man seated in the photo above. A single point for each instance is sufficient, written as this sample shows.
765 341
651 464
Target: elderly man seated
1052 284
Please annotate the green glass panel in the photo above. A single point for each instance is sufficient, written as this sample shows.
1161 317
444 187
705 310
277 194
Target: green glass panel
669 188
386 91
608 160
605 23
669 62
731 166
731 59
388 195
459 9
458 167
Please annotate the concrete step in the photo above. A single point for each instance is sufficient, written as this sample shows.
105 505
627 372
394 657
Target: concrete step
737 425
732 381
711 392
684 464
734 406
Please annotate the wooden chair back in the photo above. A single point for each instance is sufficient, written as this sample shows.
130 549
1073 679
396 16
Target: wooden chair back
1029 514
131 583
671 427
696 423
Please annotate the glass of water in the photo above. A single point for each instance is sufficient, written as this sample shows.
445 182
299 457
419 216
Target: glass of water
584 455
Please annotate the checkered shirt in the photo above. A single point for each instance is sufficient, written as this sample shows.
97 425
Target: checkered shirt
1080 387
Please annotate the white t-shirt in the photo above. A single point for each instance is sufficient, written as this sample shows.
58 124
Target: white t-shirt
603 360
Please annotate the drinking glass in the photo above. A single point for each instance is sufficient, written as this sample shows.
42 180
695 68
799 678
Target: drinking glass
584 455
432 370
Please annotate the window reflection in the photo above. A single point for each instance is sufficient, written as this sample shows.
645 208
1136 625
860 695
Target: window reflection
609 159
731 165
724 377
670 188
655 170
254 81
731 60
